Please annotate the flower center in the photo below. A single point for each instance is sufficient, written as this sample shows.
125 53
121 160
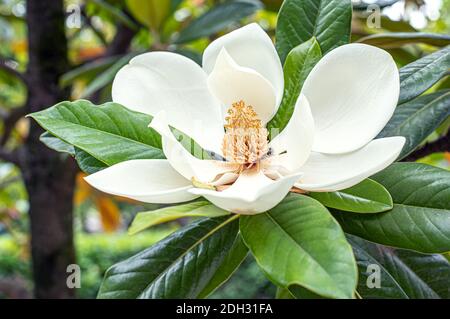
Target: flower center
245 140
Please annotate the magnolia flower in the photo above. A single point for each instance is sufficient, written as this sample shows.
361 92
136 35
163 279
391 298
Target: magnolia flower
328 144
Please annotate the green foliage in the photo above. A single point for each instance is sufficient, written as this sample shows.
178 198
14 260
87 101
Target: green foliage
299 243
110 132
146 220
180 266
217 18
228 266
420 217
366 197
403 274
417 119
300 20
399 39
297 67
420 75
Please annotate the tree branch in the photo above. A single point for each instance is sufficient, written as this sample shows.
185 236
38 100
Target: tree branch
9 122
440 145
5 66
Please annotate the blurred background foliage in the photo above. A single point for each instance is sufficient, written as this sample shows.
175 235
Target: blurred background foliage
95 30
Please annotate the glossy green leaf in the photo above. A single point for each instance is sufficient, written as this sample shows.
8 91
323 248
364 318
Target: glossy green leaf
217 18
56 144
236 255
420 219
88 163
366 197
417 119
297 67
403 274
299 243
398 39
179 266
110 132
300 20
283 293
419 76
146 220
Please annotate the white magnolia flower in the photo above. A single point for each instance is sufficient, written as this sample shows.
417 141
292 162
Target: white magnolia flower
328 145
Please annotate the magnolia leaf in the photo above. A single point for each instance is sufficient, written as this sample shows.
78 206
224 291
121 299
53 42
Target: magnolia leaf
180 266
366 197
151 13
110 133
218 18
420 75
417 119
300 20
236 255
88 163
396 40
146 220
401 274
420 219
56 144
299 243
297 67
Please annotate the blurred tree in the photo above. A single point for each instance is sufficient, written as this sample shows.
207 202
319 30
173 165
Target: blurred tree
49 178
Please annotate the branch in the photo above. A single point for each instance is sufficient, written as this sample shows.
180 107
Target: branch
4 65
440 145
9 122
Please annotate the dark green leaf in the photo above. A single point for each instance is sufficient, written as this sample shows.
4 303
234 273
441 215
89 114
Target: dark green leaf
419 76
218 18
366 197
395 40
180 266
300 20
229 265
297 67
88 163
110 132
403 274
56 144
420 219
299 243
417 119
146 220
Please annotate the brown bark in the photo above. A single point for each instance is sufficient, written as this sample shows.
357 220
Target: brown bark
49 177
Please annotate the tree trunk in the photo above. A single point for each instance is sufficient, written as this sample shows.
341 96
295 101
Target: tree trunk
49 177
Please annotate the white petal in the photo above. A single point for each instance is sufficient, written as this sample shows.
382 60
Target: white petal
252 48
184 162
297 138
232 83
252 193
333 172
353 92
149 181
158 81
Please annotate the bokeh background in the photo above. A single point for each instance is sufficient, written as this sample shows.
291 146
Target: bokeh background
58 50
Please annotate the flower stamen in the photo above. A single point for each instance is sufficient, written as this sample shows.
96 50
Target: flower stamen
245 141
